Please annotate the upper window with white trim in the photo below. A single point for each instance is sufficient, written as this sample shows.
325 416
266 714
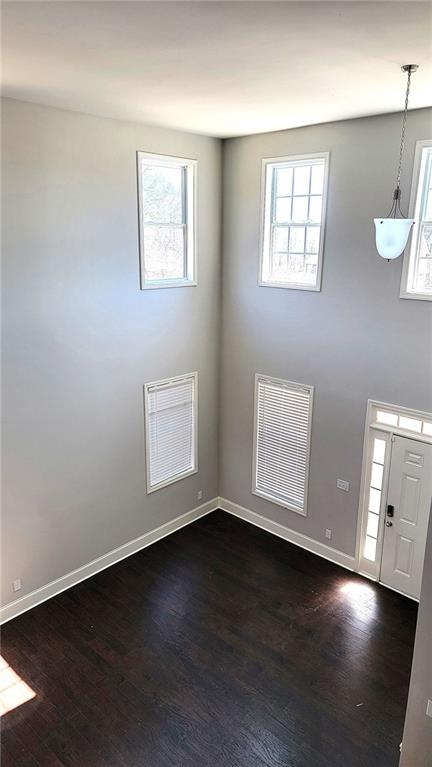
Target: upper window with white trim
293 218
166 190
402 420
417 269
171 430
283 418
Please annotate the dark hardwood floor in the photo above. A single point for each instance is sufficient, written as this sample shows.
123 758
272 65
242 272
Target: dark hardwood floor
219 646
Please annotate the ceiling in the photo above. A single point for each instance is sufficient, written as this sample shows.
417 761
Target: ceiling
218 68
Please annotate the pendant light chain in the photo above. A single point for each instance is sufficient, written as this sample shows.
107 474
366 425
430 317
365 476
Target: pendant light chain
392 231
402 144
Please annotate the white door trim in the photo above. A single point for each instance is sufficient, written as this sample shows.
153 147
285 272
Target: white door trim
375 428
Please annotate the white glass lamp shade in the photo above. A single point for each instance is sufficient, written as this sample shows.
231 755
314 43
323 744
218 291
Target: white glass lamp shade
391 235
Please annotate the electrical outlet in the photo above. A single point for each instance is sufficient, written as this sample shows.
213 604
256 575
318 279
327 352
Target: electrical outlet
16 585
342 484
328 534
429 708
200 495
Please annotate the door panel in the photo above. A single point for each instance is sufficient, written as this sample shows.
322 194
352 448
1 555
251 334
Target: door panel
410 493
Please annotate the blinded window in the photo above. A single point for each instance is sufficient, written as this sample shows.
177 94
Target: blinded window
283 416
171 430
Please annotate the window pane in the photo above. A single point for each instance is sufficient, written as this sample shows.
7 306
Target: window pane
423 278
280 238
312 239
427 428
426 241
317 182
311 264
301 179
297 239
377 475
279 267
390 419
379 450
315 209
372 525
284 181
409 423
423 273
300 209
428 210
283 209
162 195
374 500
163 252
370 548
296 264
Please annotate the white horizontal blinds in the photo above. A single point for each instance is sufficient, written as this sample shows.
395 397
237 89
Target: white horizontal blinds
282 441
171 415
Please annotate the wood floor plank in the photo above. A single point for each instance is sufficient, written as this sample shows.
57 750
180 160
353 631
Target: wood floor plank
219 646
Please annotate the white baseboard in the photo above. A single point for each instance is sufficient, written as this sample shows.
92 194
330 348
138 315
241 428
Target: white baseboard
26 602
327 552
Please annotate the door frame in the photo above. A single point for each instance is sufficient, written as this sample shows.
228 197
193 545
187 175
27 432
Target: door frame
377 413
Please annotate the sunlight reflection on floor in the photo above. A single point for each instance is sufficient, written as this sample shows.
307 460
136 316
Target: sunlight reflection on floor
361 597
13 690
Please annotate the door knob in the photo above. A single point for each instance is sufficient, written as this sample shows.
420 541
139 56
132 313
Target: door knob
389 524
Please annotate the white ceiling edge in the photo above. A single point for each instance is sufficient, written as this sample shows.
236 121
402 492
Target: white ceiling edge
179 129
221 69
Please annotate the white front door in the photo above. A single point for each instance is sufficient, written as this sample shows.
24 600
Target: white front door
407 514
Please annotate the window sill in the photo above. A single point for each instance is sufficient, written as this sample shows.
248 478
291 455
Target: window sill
289 286
171 480
168 284
416 296
278 502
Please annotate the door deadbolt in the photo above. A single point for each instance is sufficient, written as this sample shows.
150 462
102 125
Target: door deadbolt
390 510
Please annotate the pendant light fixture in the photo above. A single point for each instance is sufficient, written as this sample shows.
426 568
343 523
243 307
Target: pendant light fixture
391 233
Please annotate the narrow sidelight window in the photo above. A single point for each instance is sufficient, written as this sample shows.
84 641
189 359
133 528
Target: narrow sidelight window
167 219
292 219
417 268
283 418
171 430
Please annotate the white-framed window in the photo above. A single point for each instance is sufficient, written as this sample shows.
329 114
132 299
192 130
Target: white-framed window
417 267
294 193
170 430
282 436
376 479
167 220
411 423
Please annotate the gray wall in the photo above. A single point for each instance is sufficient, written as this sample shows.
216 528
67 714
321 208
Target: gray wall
354 340
417 738
80 339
